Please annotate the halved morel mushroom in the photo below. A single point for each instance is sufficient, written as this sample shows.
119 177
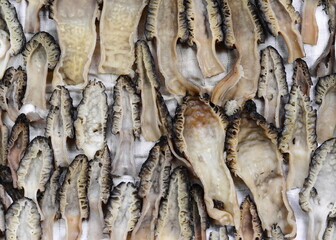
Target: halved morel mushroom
17 145
32 20
40 54
60 124
23 220
325 97
221 234
154 181
272 85
317 196
199 213
8 193
298 138
76 31
3 140
125 125
155 118
90 125
99 186
253 156
301 76
309 28
73 197
200 129
118 25
244 32
123 211
35 168
164 24
281 18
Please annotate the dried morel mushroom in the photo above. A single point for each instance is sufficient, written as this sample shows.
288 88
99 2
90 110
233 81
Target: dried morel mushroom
317 196
8 193
272 85
23 220
73 198
90 125
126 125
76 30
164 24
2 220
3 141
5 198
298 138
199 213
301 76
123 211
154 181
330 232
200 131
309 28
60 124
118 25
281 17
253 155
155 118
221 234
244 32
325 97
32 20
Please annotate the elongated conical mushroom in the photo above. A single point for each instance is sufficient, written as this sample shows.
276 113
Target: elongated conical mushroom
301 76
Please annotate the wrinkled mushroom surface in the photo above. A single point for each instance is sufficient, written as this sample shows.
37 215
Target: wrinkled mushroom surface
301 76
199 213
221 234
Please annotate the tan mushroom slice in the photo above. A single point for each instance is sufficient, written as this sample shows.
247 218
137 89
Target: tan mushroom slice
125 126
281 18
309 28
154 181
272 85
325 97
199 213
244 32
35 169
76 30
99 186
200 129
301 76
32 20
221 234
3 141
73 197
40 54
317 197
17 144
118 25
90 125
60 124
164 24
23 221
298 138
204 23
155 118
123 211
253 155
175 218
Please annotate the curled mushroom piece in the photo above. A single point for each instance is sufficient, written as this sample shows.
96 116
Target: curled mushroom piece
199 213
200 130
125 125
317 195
90 125
325 97
32 20
298 138
272 85
175 219
253 155
60 124
123 211
76 30
73 198
154 182
309 28
301 76
221 234
155 118
118 24
281 17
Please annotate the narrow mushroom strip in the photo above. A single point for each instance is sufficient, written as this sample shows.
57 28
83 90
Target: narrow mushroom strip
325 97
272 85
125 126
3 141
2 220
123 211
298 138
90 124
155 118
199 213
118 25
200 130
154 182
309 28
76 31
301 76
5 199
253 155
73 197
281 18
32 20
175 219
